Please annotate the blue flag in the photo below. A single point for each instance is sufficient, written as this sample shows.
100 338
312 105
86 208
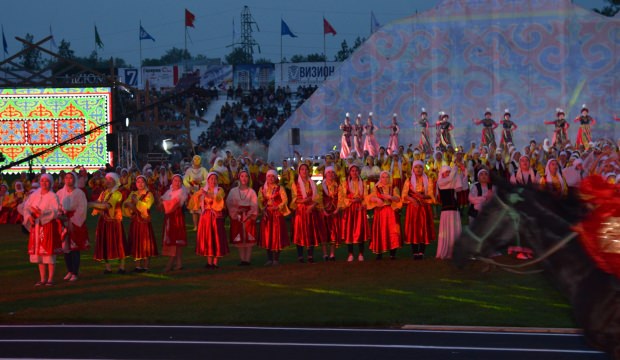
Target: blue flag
284 30
144 35
4 44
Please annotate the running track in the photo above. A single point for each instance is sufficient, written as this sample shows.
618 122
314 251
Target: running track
210 342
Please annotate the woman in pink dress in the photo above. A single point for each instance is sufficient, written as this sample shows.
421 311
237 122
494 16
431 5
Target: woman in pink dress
385 199
370 141
41 219
174 237
211 238
75 233
242 205
141 237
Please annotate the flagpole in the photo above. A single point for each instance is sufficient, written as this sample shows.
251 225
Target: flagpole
140 39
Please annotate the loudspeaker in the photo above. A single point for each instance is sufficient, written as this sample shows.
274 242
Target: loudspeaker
111 142
295 136
143 143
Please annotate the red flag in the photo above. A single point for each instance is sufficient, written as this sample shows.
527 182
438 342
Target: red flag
328 28
189 18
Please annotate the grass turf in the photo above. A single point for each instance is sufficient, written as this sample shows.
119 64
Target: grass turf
361 294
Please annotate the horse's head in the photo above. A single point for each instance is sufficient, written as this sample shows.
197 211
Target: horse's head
515 215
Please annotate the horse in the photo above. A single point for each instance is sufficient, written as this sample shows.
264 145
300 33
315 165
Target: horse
544 223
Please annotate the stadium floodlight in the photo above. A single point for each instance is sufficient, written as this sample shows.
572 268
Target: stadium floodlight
127 121
167 144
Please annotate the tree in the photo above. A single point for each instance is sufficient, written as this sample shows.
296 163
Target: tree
237 56
610 10
64 49
175 56
31 60
263 61
316 57
344 52
298 58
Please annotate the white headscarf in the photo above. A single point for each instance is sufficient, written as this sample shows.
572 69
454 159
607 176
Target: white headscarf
117 182
413 177
206 187
302 187
270 172
548 176
179 194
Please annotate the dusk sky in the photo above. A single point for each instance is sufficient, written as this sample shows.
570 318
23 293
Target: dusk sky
117 23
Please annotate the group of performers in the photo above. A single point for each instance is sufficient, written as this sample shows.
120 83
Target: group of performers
361 139
382 184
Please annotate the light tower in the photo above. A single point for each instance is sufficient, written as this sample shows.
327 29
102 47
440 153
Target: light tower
247 41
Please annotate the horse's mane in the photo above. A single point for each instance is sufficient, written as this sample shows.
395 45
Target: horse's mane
570 207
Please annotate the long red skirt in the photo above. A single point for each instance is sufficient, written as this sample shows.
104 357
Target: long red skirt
385 231
44 240
211 237
142 239
174 233
240 236
109 240
355 224
308 227
333 223
419 224
78 238
273 233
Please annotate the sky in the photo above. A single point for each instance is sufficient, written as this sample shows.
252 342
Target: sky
118 23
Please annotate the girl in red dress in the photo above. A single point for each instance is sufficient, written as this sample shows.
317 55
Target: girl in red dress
211 238
331 213
308 227
110 235
272 203
385 199
75 234
174 237
41 219
242 205
141 237
353 192
419 224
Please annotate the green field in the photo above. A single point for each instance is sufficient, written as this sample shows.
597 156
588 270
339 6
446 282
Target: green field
360 294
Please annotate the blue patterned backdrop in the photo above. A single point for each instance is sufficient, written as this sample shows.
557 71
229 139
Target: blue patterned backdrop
464 56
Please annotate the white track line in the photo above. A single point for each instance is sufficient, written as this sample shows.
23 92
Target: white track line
292 328
292 344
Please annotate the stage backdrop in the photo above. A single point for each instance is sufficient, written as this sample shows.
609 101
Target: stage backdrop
32 120
464 56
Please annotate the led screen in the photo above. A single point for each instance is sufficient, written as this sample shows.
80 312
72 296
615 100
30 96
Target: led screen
32 120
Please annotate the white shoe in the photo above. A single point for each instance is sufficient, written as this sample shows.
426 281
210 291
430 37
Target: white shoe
350 258
68 276
73 278
360 257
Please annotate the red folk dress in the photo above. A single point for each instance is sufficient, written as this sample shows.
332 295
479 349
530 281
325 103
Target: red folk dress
419 224
385 225
242 208
110 238
272 202
354 220
332 217
44 241
308 226
174 232
74 205
211 237
141 237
